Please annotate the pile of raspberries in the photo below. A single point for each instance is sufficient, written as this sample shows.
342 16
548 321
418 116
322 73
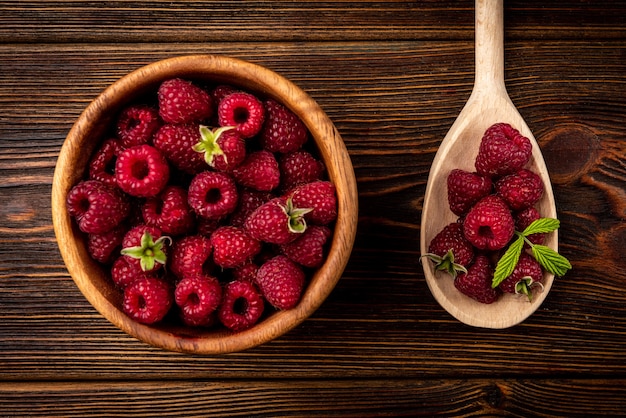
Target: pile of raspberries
208 205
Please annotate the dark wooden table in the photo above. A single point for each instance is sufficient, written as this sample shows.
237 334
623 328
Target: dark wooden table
393 76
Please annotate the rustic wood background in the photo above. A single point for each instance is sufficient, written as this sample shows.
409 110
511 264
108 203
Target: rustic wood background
393 76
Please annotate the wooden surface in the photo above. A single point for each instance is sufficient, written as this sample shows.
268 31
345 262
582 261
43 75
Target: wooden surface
392 76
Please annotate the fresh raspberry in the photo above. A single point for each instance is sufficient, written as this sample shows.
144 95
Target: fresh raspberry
147 300
105 246
198 297
233 246
212 195
321 197
526 273
489 224
96 207
242 305
141 171
503 150
176 142
523 219
102 164
206 227
145 246
243 111
220 91
181 101
246 271
123 272
281 282
520 190
299 167
465 189
258 171
169 211
450 250
191 256
308 250
249 201
276 222
476 283
136 125
223 148
283 131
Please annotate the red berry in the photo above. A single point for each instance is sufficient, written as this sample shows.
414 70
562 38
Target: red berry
523 219
141 171
527 271
105 246
102 164
191 256
212 195
320 196
246 271
299 167
147 300
242 305
281 282
283 131
198 297
233 246
489 224
176 142
450 250
249 201
476 283
145 246
181 101
123 272
220 91
137 124
503 150
308 250
243 111
521 189
223 148
276 221
465 189
96 207
258 171
169 211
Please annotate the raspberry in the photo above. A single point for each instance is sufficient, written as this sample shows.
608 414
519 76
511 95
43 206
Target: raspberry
450 250
246 271
147 300
465 189
283 131
520 190
220 91
212 195
181 101
258 171
233 246
249 201
123 272
320 196
176 142
243 111
526 273
489 224
144 246
223 148
503 150
281 282
102 164
308 250
104 247
476 283
191 256
169 211
198 297
96 207
141 171
523 219
241 307
136 125
299 167
276 221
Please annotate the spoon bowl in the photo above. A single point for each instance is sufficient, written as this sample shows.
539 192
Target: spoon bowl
489 103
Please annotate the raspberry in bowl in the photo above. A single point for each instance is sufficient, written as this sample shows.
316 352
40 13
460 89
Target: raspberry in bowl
204 204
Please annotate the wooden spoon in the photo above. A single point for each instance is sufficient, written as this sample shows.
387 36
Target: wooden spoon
489 103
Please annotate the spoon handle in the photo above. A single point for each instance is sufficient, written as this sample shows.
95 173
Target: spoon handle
489 48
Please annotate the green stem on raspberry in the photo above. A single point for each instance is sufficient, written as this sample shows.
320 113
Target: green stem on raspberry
296 221
149 252
208 143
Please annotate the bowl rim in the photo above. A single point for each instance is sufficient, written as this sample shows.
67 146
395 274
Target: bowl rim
243 74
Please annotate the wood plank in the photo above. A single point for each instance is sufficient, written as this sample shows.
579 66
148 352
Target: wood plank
392 102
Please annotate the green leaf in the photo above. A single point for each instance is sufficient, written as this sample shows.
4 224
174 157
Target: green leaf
508 261
542 226
550 260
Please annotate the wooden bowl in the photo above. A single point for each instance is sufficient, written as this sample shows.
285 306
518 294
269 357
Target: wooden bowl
86 134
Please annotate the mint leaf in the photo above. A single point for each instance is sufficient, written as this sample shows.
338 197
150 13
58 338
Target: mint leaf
508 261
550 260
542 226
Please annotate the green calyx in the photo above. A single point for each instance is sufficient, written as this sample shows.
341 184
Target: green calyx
295 217
523 287
208 143
149 252
446 263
